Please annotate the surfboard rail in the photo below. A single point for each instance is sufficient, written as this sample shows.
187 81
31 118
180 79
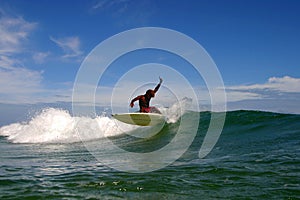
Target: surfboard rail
140 119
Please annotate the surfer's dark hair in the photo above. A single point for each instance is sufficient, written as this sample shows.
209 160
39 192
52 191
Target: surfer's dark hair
150 93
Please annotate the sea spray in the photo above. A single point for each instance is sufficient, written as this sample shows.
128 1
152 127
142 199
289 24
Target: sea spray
174 112
58 126
51 125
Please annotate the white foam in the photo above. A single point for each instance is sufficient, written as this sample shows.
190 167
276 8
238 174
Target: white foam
52 125
174 112
58 126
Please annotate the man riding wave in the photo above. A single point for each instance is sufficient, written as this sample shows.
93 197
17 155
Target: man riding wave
144 100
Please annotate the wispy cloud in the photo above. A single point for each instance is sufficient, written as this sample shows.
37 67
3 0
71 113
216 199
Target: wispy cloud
7 62
280 84
19 84
118 5
16 81
23 86
20 80
126 12
40 57
14 32
69 45
278 94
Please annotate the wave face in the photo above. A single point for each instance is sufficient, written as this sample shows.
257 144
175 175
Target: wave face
255 150
54 125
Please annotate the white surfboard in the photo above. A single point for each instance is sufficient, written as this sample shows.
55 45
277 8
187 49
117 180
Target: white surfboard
140 119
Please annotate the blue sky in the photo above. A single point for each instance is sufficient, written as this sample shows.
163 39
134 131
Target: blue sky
255 45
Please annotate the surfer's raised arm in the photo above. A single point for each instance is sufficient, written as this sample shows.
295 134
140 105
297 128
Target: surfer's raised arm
158 85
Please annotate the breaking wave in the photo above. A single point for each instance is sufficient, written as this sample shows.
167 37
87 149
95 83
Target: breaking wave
54 125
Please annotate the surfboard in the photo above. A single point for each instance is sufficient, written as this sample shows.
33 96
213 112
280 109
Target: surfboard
140 119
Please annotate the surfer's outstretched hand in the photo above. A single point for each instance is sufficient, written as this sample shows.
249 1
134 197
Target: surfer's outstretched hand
160 80
131 104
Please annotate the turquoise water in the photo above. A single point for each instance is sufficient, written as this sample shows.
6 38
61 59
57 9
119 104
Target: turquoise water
256 157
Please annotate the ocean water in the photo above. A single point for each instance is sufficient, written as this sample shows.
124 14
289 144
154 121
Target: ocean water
256 157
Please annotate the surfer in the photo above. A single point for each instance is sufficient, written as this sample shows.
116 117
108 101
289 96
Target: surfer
144 100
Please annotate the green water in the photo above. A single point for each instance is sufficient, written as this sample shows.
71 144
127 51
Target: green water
256 157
